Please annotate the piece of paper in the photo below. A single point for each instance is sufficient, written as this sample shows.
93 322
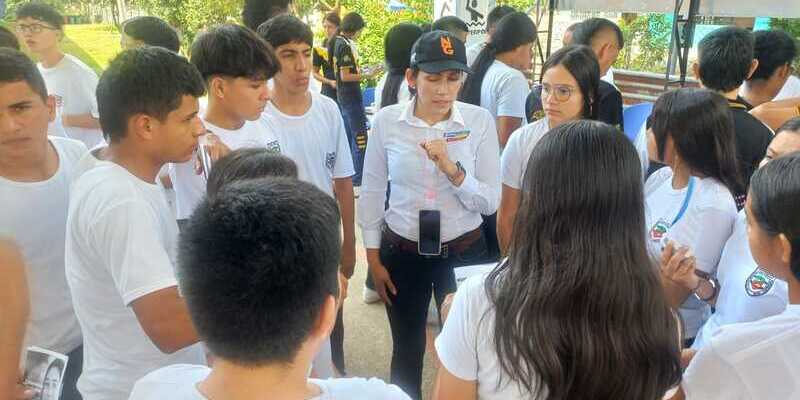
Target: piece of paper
44 372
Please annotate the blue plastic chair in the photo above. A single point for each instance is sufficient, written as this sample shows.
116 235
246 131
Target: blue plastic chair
368 96
634 117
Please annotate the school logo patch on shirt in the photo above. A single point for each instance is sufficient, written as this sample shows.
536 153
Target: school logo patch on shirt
759 283
537 115
274 147
658 230
456 136
330 160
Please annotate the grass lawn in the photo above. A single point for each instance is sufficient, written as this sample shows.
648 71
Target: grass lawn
94 44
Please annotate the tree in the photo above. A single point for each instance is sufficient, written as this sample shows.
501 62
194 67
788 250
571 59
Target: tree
792 27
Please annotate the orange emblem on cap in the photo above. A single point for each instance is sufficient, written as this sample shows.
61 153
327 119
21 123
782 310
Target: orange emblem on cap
447 46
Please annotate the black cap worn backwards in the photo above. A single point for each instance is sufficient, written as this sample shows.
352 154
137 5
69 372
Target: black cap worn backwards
438 51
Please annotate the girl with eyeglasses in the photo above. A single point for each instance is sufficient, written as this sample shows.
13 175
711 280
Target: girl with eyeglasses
569 92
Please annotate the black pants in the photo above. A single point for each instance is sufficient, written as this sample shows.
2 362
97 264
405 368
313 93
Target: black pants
337 343
69 389
416 278
490 233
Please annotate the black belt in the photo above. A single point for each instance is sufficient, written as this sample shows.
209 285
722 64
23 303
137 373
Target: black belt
455 246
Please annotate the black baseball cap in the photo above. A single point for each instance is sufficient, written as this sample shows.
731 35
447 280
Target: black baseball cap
438 51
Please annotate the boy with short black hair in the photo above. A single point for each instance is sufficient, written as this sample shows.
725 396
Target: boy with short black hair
35 175
68 79
274 262
121 235
725 59
235 64
149 31
309 129
775 51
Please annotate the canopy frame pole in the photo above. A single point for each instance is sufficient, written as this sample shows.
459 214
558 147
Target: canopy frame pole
681 42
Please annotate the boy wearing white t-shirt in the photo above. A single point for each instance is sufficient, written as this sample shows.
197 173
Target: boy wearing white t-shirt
263 297
309 129
235 64
71 82
759 360
35 175
121 237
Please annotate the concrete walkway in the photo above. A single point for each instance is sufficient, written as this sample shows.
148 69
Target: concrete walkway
368 341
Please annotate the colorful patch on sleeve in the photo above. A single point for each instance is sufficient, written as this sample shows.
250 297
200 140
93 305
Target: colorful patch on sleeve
759 283
456 136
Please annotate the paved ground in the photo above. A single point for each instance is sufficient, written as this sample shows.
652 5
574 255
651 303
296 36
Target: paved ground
368 342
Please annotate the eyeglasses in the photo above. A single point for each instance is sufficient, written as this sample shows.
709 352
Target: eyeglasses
561 92
34 28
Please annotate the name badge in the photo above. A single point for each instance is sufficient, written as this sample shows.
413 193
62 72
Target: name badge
457 136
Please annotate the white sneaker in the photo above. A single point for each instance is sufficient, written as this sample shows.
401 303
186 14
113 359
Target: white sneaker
370 296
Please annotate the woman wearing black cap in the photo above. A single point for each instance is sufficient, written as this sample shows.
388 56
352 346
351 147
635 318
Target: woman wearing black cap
443 157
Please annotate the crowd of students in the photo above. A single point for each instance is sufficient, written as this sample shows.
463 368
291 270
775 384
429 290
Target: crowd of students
665 266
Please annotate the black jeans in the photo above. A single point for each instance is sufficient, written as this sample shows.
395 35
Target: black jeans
416 278
337 343
492 244
69 390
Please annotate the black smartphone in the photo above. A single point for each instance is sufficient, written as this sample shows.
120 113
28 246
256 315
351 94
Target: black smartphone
430 233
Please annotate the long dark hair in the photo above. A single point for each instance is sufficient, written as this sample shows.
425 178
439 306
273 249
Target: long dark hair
700 124
332 17
513 30
774 196
581 62
397 42
578 301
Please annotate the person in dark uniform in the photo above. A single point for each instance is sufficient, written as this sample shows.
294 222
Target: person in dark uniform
725 59
321 59
343 55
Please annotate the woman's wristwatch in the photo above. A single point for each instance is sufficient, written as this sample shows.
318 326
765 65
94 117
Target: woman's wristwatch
458 173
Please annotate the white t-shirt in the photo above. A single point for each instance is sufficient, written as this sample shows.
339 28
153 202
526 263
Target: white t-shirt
73 85
514 160
191 187
466 345
609 77
747 292
705 226
121 246
316 141
753 360
473 51
34 214
504 91
403 94
179 382
790 90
